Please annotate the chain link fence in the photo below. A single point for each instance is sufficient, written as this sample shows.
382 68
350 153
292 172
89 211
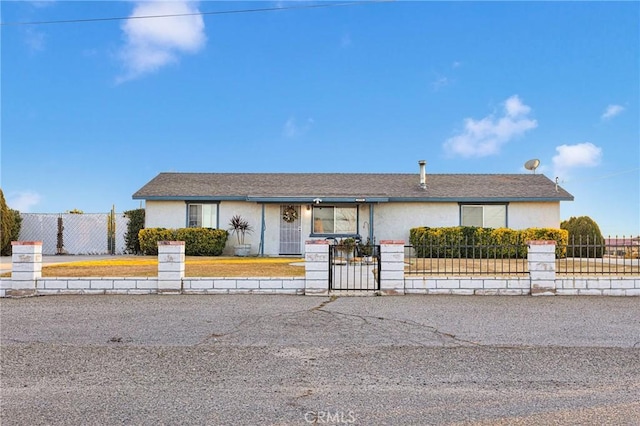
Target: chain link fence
68 233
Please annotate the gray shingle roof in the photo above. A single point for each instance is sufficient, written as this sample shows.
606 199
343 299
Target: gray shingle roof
370 186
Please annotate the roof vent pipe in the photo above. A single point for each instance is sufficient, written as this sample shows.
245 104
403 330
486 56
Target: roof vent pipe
423 174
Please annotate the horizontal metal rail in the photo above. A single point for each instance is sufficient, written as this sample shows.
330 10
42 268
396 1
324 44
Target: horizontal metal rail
581 256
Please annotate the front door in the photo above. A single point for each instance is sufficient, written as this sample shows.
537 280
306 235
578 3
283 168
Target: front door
290 232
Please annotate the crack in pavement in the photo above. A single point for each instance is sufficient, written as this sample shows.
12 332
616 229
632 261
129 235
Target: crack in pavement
366 320
332 298
440 334
252 321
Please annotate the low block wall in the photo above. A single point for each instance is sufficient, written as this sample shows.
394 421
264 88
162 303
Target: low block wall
257 285
598 286
487 286
144 285
542 279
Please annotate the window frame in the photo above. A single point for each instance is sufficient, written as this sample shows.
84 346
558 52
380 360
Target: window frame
483 205
335 234
215 210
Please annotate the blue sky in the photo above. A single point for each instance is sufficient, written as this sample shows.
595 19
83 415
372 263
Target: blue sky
91 111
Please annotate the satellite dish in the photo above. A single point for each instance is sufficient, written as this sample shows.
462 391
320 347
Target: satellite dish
532 165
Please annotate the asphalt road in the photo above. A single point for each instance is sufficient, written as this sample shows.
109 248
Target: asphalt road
292 360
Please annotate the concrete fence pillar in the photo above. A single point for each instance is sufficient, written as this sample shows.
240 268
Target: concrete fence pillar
541 258
26 268
170 266
316 268
391 267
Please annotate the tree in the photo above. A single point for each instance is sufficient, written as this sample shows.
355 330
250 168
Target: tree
10 228
75 211
136 223
585 238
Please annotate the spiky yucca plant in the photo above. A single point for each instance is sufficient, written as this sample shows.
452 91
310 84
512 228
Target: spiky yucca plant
240 227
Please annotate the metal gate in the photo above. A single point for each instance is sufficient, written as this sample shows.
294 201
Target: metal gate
290 231
354 271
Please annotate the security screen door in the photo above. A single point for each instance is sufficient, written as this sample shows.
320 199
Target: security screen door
290 232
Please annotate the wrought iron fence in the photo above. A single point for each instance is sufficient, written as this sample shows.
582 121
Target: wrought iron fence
465 257
600 256
580 256
69 233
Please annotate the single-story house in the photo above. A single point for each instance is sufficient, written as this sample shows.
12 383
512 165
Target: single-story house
285 209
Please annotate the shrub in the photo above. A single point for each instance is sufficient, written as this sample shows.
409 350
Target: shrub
509 243
10 228
149 238
585 238
136 223
560 236
197 241
472 242
202 241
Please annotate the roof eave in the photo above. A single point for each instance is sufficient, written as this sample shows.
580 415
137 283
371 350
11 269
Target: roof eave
478 199
312 199
188 198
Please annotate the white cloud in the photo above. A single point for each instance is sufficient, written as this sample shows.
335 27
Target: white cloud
23 201
579 155
611 111
152 43
292 129
440 82
486 136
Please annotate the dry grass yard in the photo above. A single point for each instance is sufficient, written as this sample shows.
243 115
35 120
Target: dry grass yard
195 266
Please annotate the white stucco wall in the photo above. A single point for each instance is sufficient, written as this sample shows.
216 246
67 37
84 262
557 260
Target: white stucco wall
391 221
165 214
252 212
534 215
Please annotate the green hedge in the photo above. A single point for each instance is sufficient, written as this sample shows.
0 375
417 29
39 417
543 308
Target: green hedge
197 241
472 242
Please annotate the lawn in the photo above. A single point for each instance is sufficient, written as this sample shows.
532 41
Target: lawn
195 266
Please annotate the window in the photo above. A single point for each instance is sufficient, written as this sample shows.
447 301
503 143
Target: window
484 216
335 220
202 215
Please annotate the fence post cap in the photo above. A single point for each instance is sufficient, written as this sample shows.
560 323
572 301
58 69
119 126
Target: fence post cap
26 243
541 242
170 243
